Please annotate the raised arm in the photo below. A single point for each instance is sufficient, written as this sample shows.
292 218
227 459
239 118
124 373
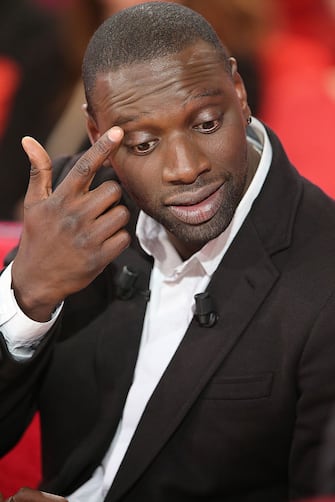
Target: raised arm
69 235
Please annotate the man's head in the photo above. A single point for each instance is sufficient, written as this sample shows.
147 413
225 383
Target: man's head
159 71
142 33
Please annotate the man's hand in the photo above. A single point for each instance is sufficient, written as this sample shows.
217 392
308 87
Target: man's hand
69 235
29 495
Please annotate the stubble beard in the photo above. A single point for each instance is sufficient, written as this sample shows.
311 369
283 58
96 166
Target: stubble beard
199 235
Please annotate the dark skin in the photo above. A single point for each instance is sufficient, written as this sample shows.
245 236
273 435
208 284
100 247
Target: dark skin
69 235
176 137
181 154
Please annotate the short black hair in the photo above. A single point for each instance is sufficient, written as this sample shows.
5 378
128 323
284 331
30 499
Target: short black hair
142 33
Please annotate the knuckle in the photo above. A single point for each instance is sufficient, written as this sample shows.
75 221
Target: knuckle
70 223
124 213
83 166
54 211
121 241
124 238
102 147
113 188
92 264
55 204
110 190
83 240
34 172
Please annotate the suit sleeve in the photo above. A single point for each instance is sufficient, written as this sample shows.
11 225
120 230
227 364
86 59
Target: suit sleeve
20 380
19 385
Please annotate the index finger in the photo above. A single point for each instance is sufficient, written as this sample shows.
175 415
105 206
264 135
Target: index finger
84 170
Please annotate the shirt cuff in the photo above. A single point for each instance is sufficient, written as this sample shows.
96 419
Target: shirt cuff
22 334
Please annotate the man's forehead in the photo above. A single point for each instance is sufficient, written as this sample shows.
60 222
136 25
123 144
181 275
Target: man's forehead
123 95
124 116
198 55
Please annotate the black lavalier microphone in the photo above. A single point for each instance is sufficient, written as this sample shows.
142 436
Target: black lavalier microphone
205 312
127 285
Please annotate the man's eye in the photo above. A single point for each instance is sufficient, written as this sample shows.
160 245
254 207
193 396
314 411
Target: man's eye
209 126
143 148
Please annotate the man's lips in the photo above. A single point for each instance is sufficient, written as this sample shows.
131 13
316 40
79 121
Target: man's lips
197 207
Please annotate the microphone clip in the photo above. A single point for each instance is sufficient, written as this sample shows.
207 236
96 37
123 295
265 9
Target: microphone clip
205 312
127 285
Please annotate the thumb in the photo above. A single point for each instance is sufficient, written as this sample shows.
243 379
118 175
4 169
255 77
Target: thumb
40 182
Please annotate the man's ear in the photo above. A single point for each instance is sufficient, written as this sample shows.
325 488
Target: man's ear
92 128
240 89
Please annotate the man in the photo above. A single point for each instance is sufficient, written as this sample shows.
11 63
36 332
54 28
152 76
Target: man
147 388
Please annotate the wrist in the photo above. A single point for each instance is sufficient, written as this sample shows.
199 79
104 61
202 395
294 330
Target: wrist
34 300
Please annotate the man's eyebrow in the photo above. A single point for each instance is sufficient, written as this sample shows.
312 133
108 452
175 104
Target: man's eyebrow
125 119
204 93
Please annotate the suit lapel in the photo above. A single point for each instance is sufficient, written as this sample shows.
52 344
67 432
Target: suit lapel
118 348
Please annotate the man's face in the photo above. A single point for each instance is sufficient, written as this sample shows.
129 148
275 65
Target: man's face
183 158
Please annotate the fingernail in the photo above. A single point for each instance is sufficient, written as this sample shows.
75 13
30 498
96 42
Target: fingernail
115 133
29 145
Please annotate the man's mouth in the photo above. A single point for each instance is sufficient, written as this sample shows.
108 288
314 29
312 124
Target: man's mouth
197 207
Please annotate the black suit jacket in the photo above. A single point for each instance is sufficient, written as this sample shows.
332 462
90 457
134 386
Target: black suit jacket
239 413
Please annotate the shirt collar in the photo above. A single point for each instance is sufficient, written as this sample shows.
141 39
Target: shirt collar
153 237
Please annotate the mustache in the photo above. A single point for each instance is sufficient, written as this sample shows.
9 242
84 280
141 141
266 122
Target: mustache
200 182
195 192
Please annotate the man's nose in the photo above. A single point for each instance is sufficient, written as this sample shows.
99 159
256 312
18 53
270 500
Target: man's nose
184 160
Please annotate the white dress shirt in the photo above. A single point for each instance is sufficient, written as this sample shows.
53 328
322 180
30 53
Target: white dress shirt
172 280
